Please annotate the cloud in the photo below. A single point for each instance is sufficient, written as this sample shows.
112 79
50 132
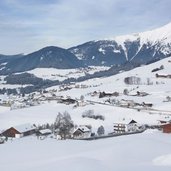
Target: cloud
30 25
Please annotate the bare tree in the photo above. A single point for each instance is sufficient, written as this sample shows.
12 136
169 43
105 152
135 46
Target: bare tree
63 124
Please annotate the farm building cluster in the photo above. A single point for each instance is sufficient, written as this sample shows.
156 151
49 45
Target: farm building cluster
79 132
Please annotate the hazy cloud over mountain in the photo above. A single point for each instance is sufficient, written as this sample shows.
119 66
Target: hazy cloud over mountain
26 26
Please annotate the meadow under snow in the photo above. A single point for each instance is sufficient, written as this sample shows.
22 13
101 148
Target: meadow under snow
146 151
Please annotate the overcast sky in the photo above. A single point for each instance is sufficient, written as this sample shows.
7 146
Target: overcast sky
29 25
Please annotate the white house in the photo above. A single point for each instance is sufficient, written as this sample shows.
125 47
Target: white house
126 126
81 132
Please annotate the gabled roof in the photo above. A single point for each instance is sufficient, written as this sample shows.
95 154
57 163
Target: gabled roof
24 128
82 129
45 131
125 121
132 121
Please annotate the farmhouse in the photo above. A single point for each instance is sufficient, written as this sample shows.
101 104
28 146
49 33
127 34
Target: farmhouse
142 94
81 132
127 103
20 131
67 101
163 76
104 94
147 104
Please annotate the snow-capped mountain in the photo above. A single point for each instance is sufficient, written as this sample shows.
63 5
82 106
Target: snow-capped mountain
48 57
138 48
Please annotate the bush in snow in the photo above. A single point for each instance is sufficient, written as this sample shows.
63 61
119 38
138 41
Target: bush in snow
90 114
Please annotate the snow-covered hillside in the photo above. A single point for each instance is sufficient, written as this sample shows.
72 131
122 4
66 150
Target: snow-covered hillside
147 151
158 89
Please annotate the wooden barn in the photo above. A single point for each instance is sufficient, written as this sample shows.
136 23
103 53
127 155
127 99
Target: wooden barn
166 128
20 131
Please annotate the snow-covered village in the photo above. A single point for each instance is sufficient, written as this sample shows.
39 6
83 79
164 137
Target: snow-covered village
103 105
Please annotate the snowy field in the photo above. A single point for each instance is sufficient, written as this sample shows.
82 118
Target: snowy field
148 151
62 74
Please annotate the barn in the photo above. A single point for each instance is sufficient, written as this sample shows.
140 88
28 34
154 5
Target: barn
20 131
166 128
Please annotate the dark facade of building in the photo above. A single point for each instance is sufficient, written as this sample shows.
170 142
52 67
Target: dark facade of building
14 132
11 132
166 128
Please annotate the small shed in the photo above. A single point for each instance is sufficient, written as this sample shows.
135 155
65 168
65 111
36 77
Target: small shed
20 131
166 128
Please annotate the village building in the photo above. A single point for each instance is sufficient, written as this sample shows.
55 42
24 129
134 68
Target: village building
80 103
166 128
120 128
44 132
132 126
142 94
67 101
126 103
126 126
19 131
81 132
147 105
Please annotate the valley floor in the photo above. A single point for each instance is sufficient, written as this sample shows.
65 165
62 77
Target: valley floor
146 151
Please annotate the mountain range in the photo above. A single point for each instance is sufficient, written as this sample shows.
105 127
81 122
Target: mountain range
139 48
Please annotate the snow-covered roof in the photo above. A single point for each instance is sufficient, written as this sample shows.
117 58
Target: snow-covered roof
83 128
45 131
24 127
126 121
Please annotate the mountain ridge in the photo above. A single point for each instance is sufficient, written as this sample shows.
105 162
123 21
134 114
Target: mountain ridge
137 48
134 47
